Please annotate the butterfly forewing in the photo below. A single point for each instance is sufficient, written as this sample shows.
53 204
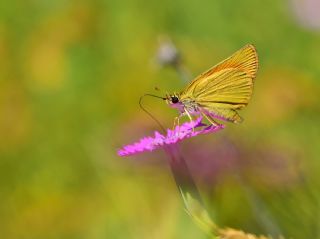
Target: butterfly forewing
245 59
230 88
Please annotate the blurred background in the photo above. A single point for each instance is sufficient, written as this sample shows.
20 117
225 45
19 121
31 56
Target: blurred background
71 74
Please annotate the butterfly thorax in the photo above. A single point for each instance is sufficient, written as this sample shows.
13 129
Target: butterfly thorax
182 104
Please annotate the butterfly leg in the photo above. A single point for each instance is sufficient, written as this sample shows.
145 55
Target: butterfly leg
176 122
178 119
210 119
190 117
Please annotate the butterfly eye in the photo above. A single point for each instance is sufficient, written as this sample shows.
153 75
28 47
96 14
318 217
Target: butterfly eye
174 99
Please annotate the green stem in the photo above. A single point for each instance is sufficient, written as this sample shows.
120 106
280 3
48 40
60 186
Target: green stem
192 200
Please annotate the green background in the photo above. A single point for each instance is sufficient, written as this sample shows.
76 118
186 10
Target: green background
71 74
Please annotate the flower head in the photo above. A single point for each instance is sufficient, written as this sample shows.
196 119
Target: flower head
179 133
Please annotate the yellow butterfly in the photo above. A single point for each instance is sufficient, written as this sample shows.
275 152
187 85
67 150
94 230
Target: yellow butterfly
220 91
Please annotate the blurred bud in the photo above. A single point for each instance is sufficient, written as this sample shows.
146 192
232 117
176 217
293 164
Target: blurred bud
167 54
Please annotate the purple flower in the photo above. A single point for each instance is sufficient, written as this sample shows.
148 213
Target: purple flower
179 133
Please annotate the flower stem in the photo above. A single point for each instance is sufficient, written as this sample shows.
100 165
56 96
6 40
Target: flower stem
191 197
183 73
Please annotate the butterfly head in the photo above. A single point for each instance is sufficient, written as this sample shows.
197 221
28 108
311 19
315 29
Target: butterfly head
173 100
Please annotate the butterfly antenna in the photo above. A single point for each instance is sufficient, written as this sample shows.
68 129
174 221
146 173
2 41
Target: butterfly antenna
146 111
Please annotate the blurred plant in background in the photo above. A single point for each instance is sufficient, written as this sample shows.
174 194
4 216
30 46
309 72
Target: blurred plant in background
168 55
307 13
71 74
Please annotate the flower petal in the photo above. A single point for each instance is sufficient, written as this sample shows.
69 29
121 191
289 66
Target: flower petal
179 133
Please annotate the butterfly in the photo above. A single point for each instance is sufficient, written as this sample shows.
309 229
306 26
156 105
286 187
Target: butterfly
221 91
